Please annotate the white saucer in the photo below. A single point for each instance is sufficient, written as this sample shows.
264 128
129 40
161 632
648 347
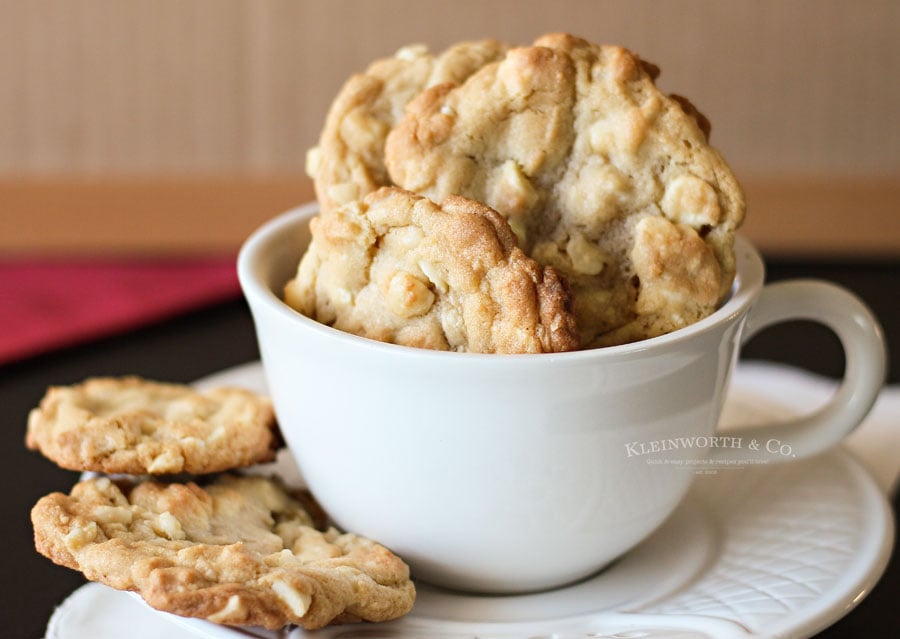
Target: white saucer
762 551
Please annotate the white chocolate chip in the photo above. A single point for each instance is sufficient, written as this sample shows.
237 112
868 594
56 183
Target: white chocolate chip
113 515
167 525
453 325
692 201
434 275
411 52
232 610
166 462
586 256
622 134
595 196
511 192
297 601
602 137
408 296
313 161
195 443
81 536
343 192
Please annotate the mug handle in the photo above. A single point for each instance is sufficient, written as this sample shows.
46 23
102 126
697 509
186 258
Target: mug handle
864 352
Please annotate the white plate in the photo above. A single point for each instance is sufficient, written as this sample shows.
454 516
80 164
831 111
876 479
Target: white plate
765 551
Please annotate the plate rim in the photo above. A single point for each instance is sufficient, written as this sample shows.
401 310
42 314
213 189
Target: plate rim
840 599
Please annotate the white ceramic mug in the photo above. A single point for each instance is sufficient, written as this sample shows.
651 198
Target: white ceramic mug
510 473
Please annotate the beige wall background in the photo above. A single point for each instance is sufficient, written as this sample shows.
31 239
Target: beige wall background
188 95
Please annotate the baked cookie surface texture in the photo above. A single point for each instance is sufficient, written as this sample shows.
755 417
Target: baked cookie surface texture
399 268
240 551
600 174
132 425
348 162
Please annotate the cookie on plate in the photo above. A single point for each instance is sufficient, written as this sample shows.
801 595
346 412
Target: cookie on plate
348 161
132 425
400 268
600 174
239 551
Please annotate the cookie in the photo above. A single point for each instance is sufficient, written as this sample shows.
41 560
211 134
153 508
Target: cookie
132 425
240 551
601 175
348 162
398 268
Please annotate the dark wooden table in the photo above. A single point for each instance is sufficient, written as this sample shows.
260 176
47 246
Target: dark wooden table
204 342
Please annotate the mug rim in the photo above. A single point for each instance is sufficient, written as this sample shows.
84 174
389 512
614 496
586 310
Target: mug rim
253 268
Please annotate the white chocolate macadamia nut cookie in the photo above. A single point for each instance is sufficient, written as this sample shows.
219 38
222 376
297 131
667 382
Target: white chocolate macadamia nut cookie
399 268
348 161
132 425
240 551
600 174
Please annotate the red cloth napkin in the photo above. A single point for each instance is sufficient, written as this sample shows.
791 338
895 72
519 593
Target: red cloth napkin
50 304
